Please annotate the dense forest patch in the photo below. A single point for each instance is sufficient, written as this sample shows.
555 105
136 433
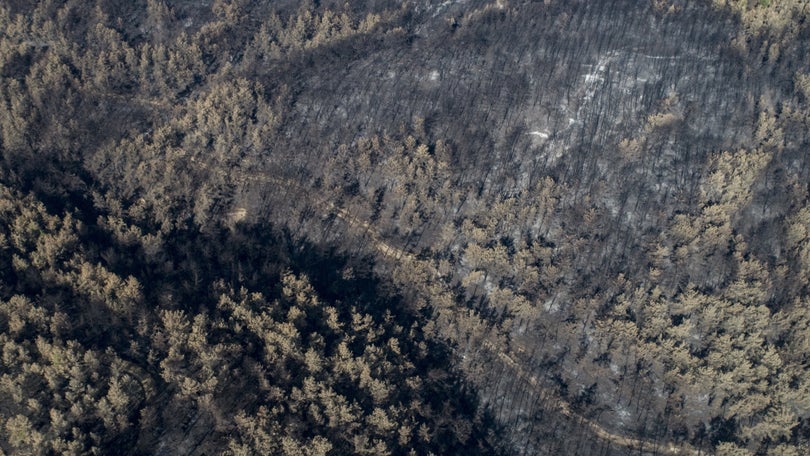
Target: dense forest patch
212 342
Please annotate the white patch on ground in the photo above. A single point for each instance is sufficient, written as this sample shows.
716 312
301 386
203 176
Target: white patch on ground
439 8
592 81
551 305
659 57
540 134
188 23
434 75
593 77
622 413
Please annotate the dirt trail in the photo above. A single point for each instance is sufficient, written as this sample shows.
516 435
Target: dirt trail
394 253
668 448
599 431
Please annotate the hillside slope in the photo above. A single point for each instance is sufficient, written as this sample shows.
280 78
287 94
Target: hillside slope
588 221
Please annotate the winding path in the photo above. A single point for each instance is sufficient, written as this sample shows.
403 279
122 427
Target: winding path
393 253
